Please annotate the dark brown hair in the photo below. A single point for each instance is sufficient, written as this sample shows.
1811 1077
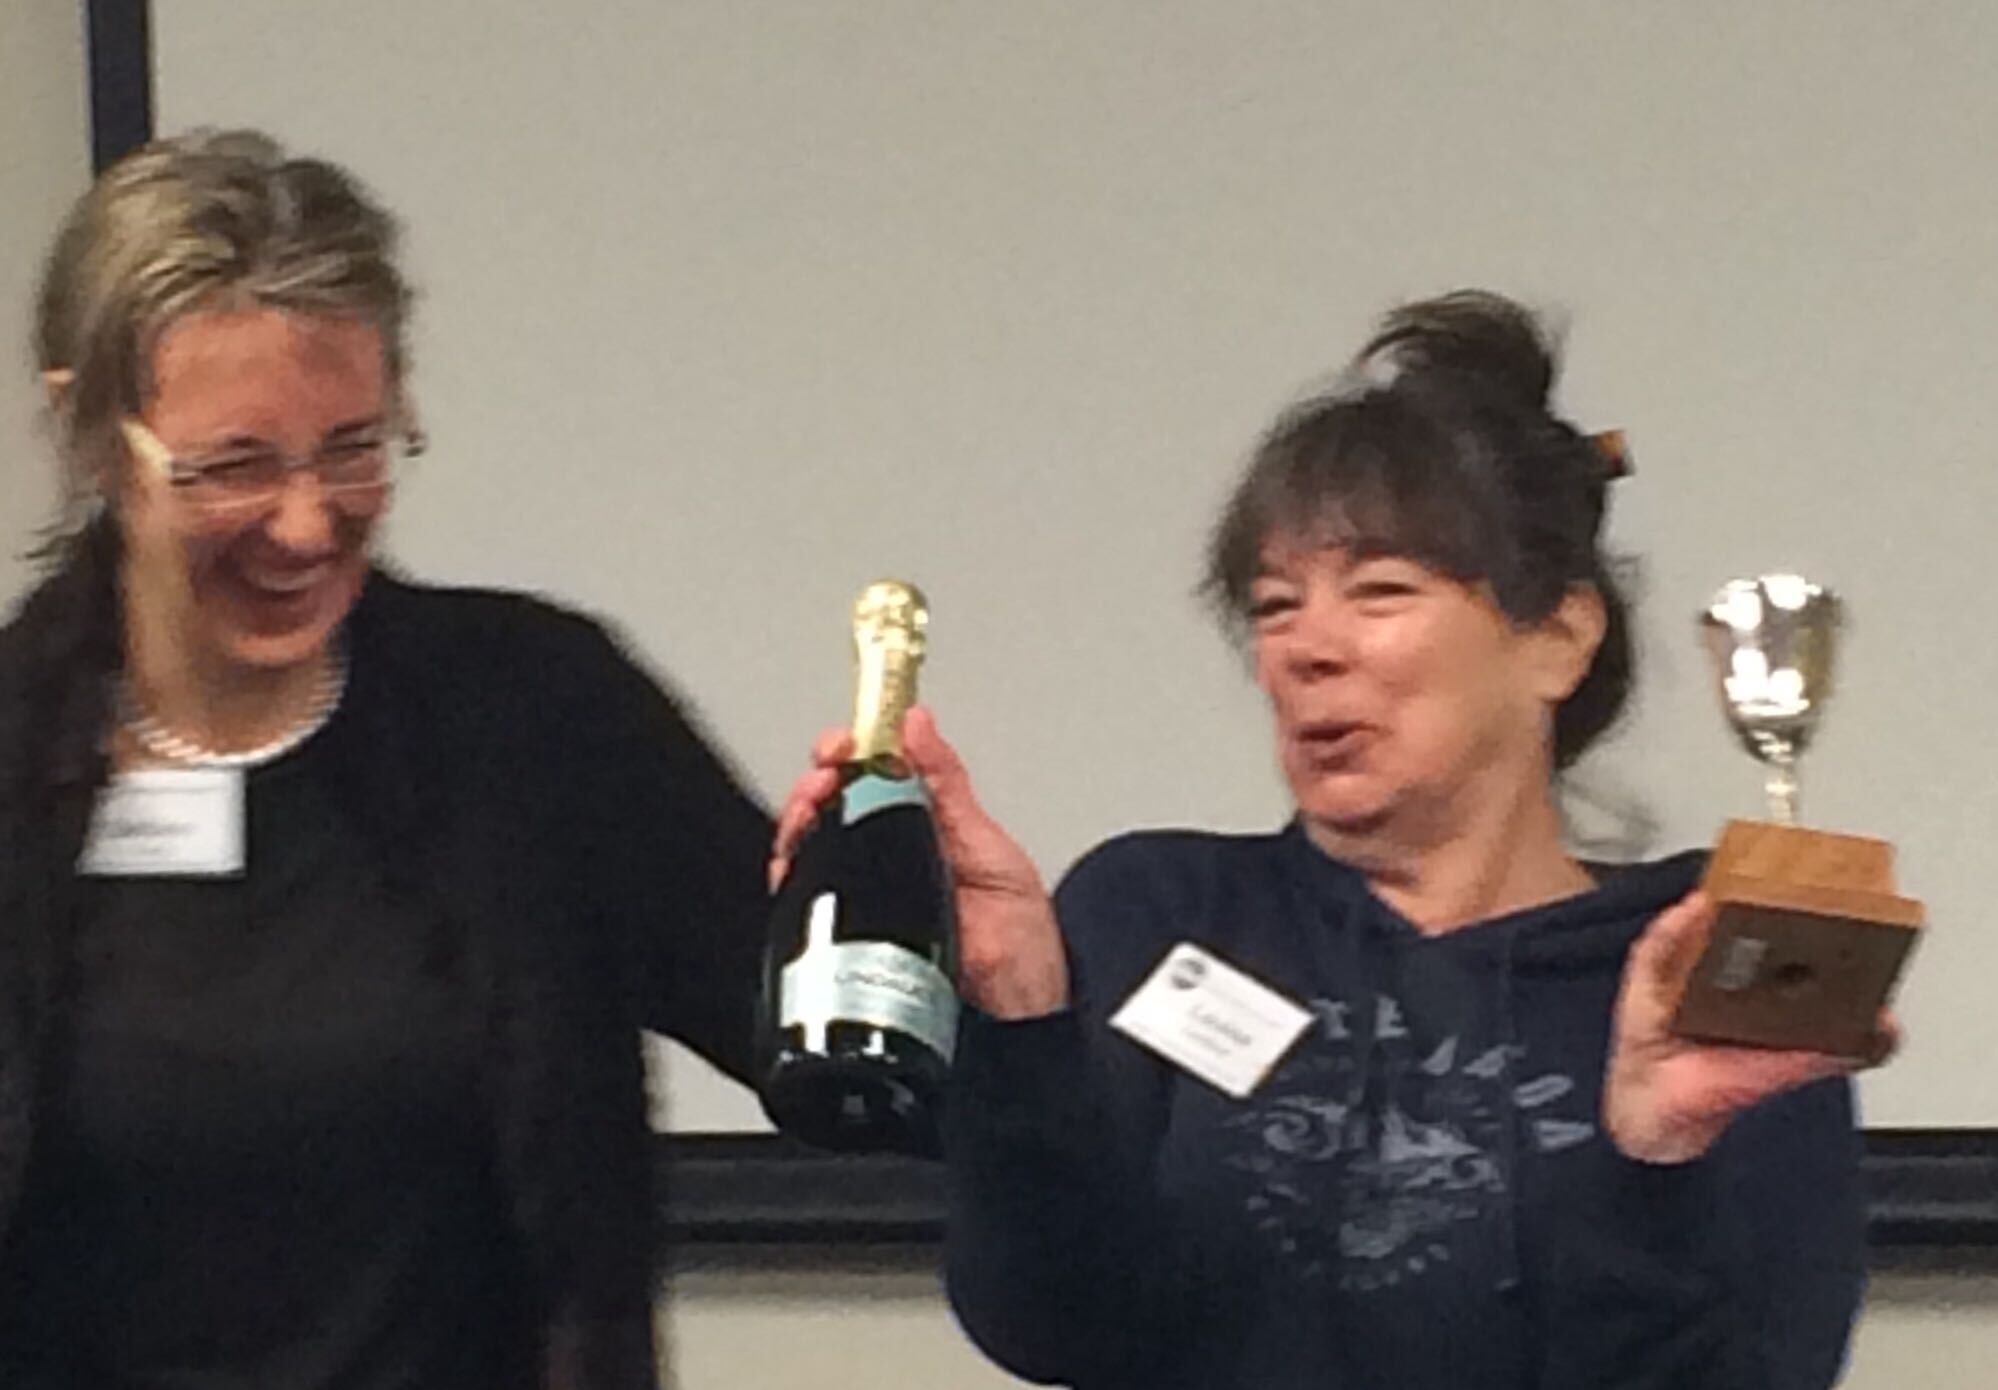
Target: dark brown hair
1439 443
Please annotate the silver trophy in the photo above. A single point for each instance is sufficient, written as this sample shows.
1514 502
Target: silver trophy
1772 640
1809 935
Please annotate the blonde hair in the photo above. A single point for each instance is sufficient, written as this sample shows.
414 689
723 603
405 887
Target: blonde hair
211 219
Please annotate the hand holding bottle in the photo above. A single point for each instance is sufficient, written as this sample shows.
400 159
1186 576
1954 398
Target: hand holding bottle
1010 959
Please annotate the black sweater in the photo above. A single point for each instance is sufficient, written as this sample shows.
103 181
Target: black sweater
1418 1196
528 787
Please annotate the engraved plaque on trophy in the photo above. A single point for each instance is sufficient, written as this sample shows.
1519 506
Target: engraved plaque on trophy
1810 936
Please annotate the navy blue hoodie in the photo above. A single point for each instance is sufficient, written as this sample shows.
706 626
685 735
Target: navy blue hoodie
1419 1194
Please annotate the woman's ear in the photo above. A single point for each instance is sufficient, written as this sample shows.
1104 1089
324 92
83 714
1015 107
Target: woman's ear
56 382
1567 640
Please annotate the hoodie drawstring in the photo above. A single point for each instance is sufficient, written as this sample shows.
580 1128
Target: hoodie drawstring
1508 1157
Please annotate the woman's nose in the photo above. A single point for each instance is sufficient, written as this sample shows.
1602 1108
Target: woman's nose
303 521
1320 639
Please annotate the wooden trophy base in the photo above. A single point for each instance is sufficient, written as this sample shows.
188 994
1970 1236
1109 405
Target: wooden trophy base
1807 944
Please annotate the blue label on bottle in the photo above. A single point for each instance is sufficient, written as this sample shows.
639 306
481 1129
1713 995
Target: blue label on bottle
866 795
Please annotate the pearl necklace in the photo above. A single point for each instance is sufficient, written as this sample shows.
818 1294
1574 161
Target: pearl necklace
162 743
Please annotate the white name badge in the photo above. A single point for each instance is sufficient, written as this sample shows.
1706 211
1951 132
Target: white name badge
1205 1015
167 823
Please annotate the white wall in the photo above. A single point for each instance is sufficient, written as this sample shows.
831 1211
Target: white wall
1935 1329
44 163
733 307
802 1324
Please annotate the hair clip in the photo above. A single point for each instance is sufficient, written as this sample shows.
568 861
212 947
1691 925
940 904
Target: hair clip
1615 452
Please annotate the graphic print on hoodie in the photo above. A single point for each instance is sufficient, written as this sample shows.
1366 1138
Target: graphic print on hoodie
1369 1189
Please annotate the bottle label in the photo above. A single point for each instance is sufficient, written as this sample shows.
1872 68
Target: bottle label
863 796
874 983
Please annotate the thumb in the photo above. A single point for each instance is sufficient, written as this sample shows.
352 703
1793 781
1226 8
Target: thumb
938 764
1660 965
1663 959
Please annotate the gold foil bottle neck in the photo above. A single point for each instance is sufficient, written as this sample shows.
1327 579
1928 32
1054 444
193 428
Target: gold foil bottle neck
890 623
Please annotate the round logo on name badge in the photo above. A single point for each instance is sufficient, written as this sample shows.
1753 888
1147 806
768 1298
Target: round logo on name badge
1186 972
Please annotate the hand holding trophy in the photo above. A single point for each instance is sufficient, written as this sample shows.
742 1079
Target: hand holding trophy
1809 937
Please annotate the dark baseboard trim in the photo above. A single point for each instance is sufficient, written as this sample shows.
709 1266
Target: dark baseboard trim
1929 1189
759 1189
1932 1188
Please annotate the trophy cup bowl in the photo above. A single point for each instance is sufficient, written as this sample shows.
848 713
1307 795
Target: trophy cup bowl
1772 641
1809 937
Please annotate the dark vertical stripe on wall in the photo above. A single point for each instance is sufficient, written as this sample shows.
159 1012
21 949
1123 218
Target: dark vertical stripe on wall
121 78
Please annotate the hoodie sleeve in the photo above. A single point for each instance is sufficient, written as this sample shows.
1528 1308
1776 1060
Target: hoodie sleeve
1796 1178
1055 1255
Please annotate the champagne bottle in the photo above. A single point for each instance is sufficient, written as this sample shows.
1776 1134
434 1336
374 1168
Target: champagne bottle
861 1016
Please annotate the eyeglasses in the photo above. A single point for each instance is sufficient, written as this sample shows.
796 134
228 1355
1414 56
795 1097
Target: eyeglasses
354 472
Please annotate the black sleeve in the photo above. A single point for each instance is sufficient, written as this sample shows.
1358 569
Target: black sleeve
1796 1178
673 853
1057 1262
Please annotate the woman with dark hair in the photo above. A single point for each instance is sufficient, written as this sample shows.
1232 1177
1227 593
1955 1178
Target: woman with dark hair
331 906
1388 1097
